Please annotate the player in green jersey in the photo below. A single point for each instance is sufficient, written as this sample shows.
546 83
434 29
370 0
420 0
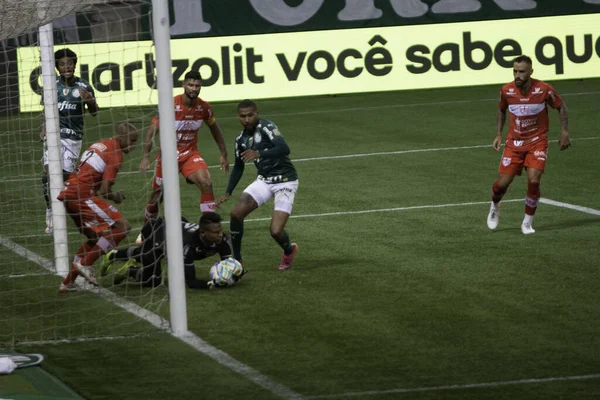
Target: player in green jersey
261 142
74 94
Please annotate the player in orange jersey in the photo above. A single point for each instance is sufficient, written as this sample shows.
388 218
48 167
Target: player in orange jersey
190 112
85 196
527 101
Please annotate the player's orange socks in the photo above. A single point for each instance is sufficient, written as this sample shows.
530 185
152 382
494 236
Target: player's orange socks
82 251
71 276
103 246
207 203
79 255
533 197
497 192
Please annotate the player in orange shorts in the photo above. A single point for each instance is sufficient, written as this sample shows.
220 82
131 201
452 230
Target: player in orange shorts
527 101
190 112
85 196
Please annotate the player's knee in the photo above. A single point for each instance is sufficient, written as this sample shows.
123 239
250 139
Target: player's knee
237 214
276 232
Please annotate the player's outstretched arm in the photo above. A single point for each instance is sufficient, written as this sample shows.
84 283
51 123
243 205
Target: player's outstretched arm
500 121
215 131
234 178
147 147
564 141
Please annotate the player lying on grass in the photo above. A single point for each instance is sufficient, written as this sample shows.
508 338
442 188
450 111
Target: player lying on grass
200 241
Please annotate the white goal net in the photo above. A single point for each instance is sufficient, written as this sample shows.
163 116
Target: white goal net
114 48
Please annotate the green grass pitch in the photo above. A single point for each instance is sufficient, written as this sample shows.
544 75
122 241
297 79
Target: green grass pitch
399 290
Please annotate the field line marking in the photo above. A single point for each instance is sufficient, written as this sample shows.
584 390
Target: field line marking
402 105
325 214
337 157
457 387
473 203
586 210
162 324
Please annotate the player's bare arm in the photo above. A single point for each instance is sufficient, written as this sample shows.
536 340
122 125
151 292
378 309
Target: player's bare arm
89 101
147 147
106 192
234 178
500 121
215 131
564 141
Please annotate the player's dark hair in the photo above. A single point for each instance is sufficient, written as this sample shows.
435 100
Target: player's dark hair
523 58
246 104
209 218
193 75
62 53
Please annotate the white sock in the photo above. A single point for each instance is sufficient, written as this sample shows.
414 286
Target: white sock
495 206
528 219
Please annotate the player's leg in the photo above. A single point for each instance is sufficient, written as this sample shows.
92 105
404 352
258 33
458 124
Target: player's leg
535 162
152 252
46 191
70 150
150 273
152 208
511 165
253 197
111 228
47 198
284 200
73 209
195 171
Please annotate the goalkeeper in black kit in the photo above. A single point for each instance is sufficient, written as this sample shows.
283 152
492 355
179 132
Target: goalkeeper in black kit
143 261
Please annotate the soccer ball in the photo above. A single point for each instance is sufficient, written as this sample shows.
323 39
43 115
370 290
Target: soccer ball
226 272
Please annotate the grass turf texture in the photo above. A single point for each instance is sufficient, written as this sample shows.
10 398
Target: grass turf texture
376 301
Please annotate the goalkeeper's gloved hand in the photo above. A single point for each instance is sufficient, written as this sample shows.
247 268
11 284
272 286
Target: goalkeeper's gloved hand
214 283
238 274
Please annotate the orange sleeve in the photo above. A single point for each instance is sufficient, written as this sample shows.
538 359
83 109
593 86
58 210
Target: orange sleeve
155 120
502 104
552 98
209 115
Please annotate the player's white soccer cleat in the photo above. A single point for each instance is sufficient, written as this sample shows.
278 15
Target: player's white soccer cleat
493 218
71 287
49 227
88 273
526 228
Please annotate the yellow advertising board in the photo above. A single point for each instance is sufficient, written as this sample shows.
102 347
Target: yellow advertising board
336 61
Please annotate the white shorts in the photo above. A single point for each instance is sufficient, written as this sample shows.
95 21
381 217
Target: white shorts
284 194
69 153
